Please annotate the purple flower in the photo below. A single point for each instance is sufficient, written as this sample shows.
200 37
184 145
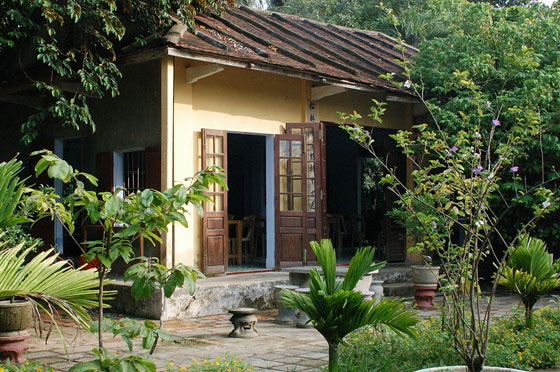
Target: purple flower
434 224
488 104
496 122
454 148
366 132
477 169
514 169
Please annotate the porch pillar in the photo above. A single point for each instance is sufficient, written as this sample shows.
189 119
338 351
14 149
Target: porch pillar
167 254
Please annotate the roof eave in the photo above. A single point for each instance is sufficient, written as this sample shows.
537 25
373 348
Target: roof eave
280 70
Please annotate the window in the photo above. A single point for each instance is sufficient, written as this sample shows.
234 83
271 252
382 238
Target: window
130 170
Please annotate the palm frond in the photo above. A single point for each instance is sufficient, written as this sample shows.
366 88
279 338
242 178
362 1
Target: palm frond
48 282
335 309
11 190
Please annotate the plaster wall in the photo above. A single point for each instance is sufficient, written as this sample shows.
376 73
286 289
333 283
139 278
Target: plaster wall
127 121
244 101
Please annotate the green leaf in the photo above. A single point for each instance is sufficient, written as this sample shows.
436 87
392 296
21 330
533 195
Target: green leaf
59 169
148 340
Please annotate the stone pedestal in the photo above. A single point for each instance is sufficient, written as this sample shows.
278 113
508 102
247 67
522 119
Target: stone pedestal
424 296
368 295
286 315
13 346
302 320
377 287
244 321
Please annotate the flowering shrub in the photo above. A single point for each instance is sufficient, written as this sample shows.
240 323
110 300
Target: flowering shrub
228 363
511 345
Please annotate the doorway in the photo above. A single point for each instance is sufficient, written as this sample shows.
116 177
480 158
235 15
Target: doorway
249 201
71 150
357 205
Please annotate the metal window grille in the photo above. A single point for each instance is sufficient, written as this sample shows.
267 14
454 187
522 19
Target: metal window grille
134 174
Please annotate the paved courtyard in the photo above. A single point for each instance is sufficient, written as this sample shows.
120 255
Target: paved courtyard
278 347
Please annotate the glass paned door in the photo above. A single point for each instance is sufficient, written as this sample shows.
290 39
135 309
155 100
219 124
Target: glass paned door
214 222
290 199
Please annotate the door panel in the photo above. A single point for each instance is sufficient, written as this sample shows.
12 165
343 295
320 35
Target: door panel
290 199
315 189
214 222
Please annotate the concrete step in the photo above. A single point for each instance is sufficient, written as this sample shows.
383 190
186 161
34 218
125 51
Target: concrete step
213 296
394 273
398 289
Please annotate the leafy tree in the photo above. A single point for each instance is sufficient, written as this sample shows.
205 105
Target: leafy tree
336 309
124 219
504 3
417 21
34 46
511 56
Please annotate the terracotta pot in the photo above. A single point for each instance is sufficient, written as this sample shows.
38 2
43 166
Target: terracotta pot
464 369
93 264
15 316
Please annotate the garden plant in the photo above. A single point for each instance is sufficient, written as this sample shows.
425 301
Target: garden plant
510 344
457 196
124 218
335 309
531 273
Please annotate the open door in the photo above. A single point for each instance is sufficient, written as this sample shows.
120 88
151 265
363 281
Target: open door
214 222
315 172
300 193
290 199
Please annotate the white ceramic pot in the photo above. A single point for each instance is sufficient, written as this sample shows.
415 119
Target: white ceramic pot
464 369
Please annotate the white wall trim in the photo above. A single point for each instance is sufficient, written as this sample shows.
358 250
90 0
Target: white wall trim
270 217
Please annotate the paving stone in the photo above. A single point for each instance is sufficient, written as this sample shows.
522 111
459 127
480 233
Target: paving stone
278 347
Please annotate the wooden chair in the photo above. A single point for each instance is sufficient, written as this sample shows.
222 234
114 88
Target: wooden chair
248 239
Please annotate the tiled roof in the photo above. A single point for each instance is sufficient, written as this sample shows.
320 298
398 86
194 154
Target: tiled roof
292 45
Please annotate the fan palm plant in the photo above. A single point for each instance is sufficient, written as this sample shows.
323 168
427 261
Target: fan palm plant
336 309
530 272
50 283
11 191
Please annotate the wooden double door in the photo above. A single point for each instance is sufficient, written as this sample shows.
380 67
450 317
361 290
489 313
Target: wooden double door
299 197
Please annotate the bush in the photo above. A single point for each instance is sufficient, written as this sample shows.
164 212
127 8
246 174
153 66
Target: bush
14 235
228 363
511 344
27 366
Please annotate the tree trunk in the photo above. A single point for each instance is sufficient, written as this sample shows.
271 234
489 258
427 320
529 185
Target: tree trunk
333 357
529 315
100 306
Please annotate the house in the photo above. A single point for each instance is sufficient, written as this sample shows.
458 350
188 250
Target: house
256 93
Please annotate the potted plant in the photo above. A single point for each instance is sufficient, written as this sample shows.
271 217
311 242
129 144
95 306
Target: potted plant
425 279
41 283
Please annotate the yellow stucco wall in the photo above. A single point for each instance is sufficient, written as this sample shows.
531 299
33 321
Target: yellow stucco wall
239 100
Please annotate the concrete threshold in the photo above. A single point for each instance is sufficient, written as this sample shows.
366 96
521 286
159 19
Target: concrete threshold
213 296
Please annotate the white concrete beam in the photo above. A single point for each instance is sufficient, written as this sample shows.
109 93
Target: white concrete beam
323 91
197 73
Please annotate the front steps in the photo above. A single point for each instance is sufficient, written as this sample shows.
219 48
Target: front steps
219 294
397 280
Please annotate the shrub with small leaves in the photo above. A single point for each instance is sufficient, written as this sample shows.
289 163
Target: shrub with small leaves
227 363
511 345
27 366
